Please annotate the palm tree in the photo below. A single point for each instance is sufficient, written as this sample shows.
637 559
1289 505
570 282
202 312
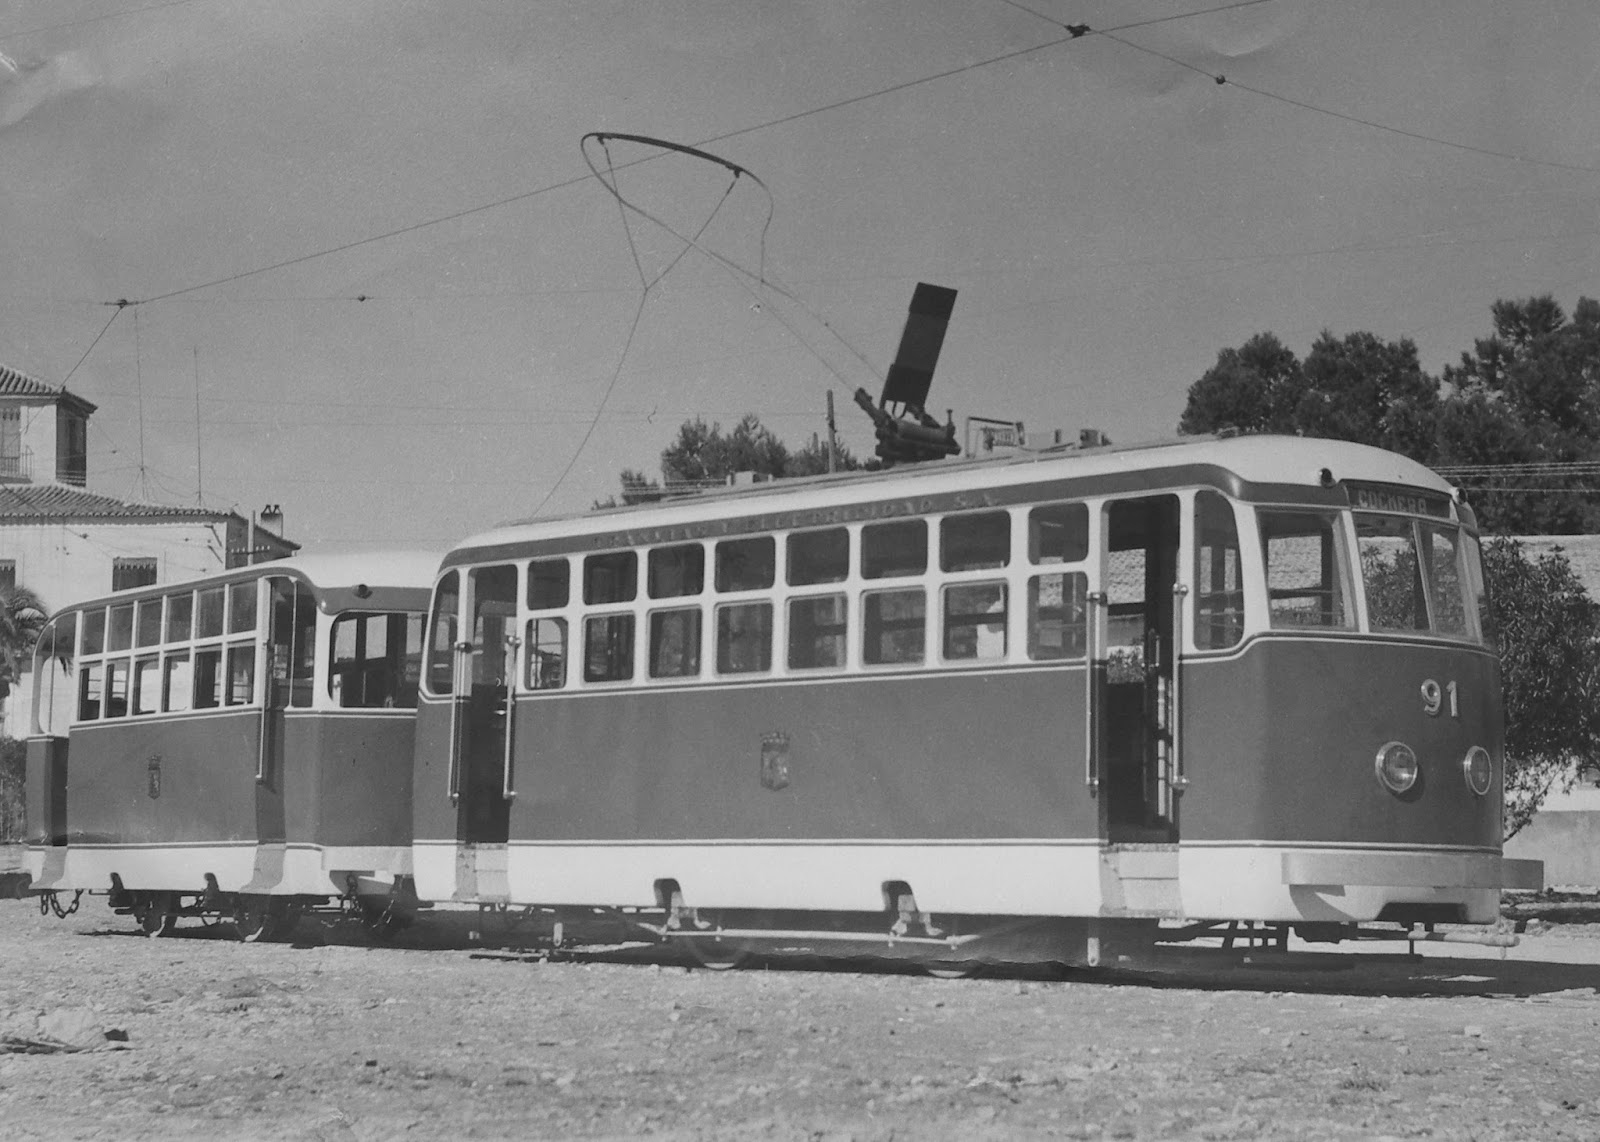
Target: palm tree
22 618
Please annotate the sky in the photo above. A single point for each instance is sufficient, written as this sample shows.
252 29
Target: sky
373 279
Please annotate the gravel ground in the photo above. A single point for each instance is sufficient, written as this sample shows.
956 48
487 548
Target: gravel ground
332 1039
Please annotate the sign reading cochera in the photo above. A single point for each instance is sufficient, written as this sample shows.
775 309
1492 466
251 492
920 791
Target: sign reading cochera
1397 498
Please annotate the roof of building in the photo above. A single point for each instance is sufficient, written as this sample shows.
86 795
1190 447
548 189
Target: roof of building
61 503
15 384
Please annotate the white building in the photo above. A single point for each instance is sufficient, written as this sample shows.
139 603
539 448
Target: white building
66 543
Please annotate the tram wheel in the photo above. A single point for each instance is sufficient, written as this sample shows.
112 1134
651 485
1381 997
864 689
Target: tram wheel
717 955
258 918
157 914
953 969
381 921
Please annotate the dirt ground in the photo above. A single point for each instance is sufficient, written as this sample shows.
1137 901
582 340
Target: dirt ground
329 1038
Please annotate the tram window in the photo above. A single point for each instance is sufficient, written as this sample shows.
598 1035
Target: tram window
116 689
675 643
241 678
208 678
180 616
818 556
612 578
1058 533
442 634
677 571
177 683
91 685
975 622
293 641
1307 583
494 617
893 625
547 654
746 564
147 624
119 630
549 584
375 661
890 550
242 607
53 688
1444 563
1391 573
94 631
608 648
1479 616
1056 615
209 624
147 686
1219 587
744 638
980 541
818 627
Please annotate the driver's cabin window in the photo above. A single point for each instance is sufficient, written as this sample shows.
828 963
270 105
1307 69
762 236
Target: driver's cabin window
376 661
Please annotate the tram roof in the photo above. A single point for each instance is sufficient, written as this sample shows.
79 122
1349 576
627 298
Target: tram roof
1254 459
340 577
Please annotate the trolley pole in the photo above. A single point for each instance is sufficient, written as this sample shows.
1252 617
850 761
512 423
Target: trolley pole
833 437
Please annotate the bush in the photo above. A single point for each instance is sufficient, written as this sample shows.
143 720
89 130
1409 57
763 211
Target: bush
12 825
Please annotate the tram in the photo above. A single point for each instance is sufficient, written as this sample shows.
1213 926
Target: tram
1136 689
234 747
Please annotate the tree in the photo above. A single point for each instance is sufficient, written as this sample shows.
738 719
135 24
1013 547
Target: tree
1253 388
1549 634
705 456
22 617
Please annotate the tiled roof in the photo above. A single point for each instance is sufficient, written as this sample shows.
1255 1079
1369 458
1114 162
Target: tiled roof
25 503
15 384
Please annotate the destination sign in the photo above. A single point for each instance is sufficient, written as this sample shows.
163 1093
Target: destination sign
1396 498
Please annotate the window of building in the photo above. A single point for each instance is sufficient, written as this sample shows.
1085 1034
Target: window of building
72 449
891 550
11 442
8 574
126 573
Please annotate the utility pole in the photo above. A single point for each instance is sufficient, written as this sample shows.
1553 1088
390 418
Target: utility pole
833 437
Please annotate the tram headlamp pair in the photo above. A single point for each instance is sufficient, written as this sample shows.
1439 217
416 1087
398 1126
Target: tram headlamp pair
1397 768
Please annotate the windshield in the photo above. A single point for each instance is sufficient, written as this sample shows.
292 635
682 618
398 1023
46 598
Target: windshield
1420 576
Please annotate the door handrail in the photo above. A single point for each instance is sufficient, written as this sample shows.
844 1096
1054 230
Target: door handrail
1180 594
462 651
1091 774
513 665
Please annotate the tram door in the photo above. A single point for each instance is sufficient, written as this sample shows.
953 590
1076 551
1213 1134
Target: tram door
484 681
290 658
1134 671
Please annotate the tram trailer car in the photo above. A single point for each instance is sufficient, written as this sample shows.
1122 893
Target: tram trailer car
237 746
1140 690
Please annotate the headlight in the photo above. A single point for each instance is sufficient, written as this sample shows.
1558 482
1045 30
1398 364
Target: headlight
1478 768
1396 766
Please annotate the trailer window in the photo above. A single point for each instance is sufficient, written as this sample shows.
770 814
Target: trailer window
975 621
547 654
1056 615
892 550
612 578
119 632
1391 573
893 627
494 617
116 689
818 557
608 648
744 638
1058 533
242 607
208 678
376 661
746 564
210 617
147 686
1307 580
91 685
675 643
147 629
977 542
180 615
177 683
241 689
442 622
1218 582
549 582
818 628
677 571
94 631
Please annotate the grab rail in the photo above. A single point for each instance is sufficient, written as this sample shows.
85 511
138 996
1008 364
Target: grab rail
1091 775
507 773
